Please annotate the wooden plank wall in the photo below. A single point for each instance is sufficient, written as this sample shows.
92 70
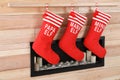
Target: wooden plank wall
19 26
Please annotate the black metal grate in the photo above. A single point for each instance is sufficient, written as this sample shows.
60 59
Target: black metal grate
64 57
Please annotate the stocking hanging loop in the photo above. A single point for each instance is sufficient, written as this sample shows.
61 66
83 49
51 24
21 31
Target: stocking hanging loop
96 5
72 6
46 6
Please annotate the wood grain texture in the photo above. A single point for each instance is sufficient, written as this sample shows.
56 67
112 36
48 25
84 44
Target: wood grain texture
19 26
7 53
96 74
31 20
116 77
17 36
18 51
14 62
17 46
37 5
5 9
113 51
20 58
5 47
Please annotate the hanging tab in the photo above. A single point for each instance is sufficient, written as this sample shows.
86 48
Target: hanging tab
46 6
72 6
96 5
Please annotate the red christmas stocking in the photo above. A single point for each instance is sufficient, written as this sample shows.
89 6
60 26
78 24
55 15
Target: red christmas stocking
42 44
68 41
99 22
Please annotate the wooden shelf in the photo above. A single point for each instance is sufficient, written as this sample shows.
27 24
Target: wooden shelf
20 4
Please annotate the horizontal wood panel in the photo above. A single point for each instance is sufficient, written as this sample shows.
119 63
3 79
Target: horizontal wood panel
113 51
58 10
112 43
19 26
19 22
112 61
5 9
34 21
14 62
19 56
54 1
19 39
17 36
117 77
14 52
96 74
110 51
7 47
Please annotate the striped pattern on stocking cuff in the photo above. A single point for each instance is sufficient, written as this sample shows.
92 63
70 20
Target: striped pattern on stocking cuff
53 18
77 18
102 17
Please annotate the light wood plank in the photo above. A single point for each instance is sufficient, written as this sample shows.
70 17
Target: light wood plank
116 77
19 58
3 53
19 4
96 74
14 52
5 9
19 22
14 62
113 51
18 36
32 20
19 26
112 61
5 47
112 43
38 11
54 1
